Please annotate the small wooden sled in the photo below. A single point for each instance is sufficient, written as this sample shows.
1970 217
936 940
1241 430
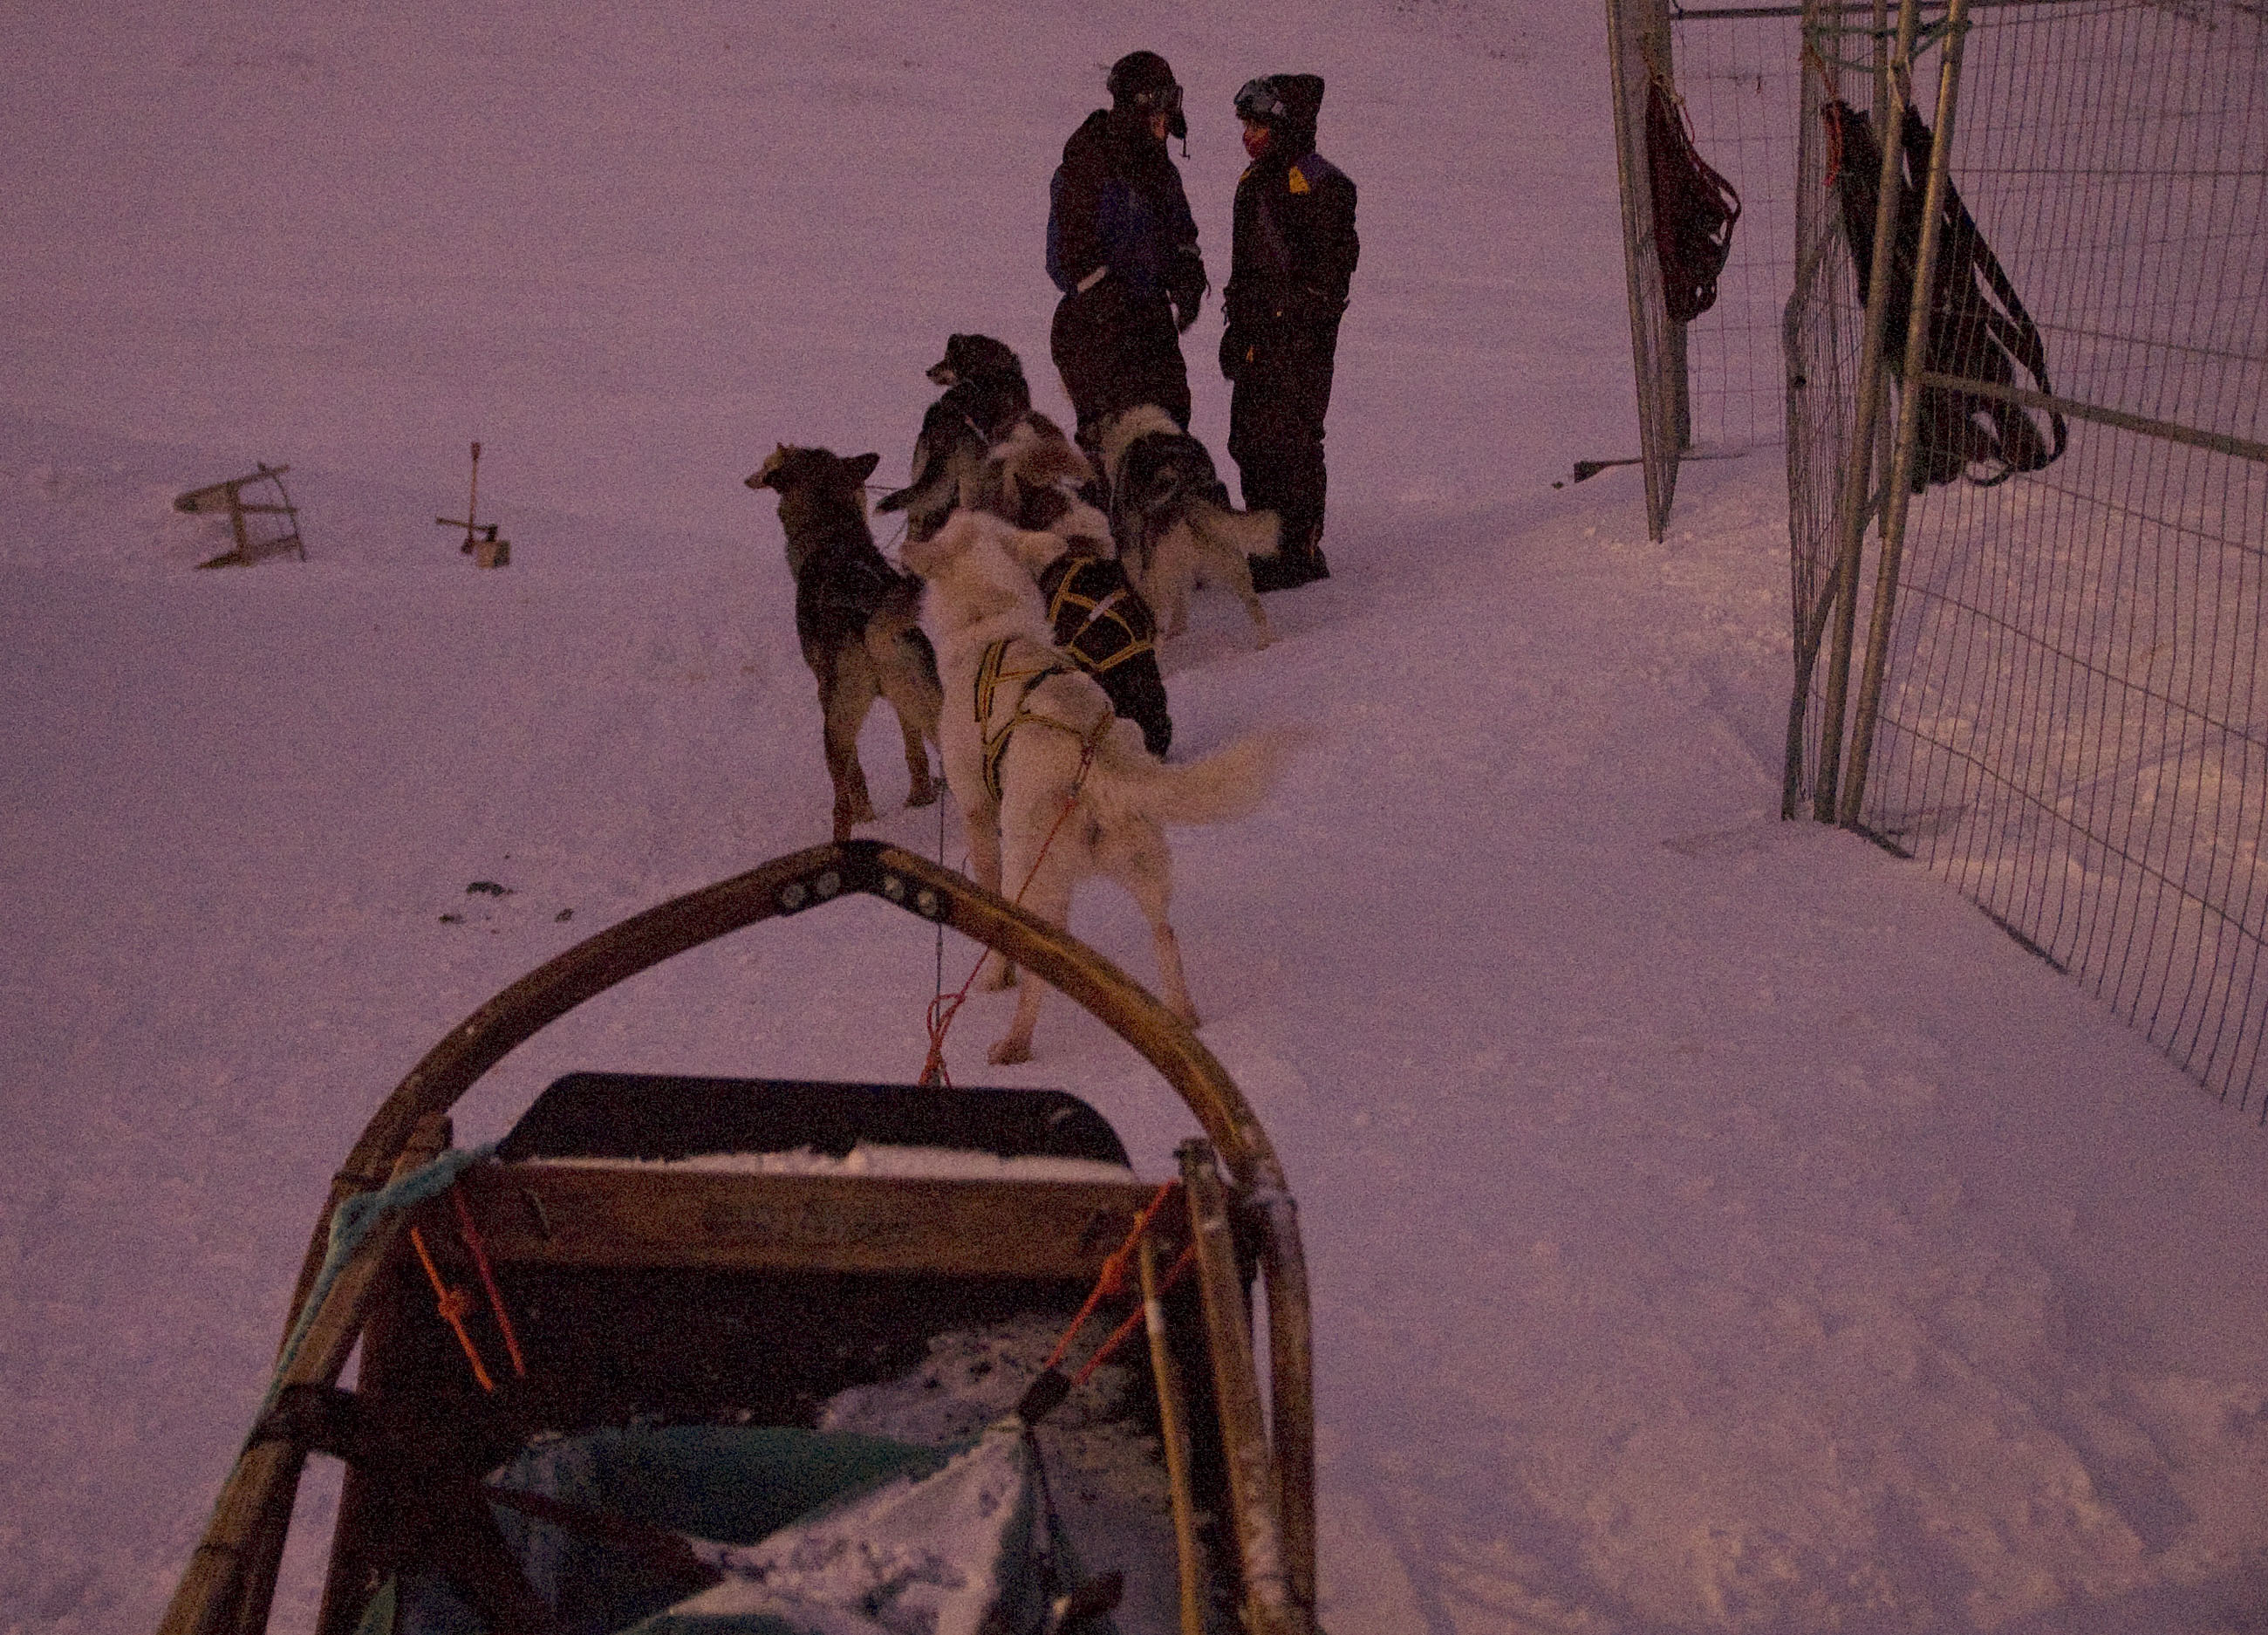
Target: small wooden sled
661 1284
228 498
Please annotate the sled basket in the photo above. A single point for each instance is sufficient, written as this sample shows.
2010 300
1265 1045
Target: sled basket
755 1356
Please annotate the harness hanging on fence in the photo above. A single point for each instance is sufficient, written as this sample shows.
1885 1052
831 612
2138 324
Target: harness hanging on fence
1978 330
1694 208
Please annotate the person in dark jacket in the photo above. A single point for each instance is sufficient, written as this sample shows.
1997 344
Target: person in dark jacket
1290 260
1123 248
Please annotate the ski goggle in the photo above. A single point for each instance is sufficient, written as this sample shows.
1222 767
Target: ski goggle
1165 99
1258 100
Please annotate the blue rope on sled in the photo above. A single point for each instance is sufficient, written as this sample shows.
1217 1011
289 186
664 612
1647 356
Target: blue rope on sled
351 1224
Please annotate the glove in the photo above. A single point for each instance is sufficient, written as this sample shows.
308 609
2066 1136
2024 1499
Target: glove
1234 344
1185 288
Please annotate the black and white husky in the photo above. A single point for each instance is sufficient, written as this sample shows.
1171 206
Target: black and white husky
1171 515
1053 785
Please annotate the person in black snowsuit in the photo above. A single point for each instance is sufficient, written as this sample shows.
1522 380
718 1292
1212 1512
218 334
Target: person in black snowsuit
1123 248
1292 257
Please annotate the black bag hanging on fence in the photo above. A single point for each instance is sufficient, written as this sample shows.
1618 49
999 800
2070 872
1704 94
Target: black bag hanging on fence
1693 208
1970 337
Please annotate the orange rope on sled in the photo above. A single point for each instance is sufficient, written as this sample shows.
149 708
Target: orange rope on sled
487 1280
453 1304
1182 1262
1051 1386
1113 1277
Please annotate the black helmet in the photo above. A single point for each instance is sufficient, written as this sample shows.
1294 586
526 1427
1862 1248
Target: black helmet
1142 82
1287 103
1259 101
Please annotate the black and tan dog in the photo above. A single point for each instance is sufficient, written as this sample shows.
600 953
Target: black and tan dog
857 618
984 391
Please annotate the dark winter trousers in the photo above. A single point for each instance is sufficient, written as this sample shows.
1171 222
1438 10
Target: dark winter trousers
1276 433
1116 350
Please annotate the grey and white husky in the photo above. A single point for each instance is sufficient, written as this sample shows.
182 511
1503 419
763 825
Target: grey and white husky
1170 513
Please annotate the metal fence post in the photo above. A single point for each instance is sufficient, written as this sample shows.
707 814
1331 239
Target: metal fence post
1901 460
1842 599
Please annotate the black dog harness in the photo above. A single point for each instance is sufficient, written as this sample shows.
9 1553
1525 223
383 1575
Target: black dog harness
1099 619
990 675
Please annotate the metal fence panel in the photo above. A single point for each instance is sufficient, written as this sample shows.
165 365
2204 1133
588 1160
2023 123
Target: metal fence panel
1638 49
2073 724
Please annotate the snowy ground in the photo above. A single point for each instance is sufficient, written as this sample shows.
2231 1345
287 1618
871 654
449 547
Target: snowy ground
1714 1224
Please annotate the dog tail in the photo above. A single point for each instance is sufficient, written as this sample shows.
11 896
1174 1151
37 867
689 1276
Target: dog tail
1036 451
1247 533
925 654
1229 783
922 496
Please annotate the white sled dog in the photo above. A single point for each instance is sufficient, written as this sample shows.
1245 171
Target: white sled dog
1170 513
1053 786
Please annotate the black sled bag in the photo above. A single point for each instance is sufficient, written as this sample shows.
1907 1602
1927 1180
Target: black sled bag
1978 329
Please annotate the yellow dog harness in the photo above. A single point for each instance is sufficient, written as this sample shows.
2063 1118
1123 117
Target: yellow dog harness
990 675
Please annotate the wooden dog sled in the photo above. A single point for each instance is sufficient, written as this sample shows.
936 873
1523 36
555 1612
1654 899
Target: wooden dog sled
660 1326
228 498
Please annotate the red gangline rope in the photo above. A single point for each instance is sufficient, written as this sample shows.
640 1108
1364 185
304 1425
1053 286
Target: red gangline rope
942 1009
1113 1277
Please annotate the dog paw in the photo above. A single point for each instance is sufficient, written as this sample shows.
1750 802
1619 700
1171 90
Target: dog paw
1009 1051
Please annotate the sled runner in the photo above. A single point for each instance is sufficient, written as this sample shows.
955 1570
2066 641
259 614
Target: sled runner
700 1343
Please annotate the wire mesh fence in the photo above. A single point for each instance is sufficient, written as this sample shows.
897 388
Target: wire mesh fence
1640 53
2072 723
1738 72
1711 385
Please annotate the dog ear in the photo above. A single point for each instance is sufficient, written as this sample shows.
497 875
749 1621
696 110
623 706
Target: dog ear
862 466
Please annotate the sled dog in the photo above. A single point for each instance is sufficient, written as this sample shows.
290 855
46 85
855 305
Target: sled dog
985 390
1053 786
857 619
1031 478
1170 514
